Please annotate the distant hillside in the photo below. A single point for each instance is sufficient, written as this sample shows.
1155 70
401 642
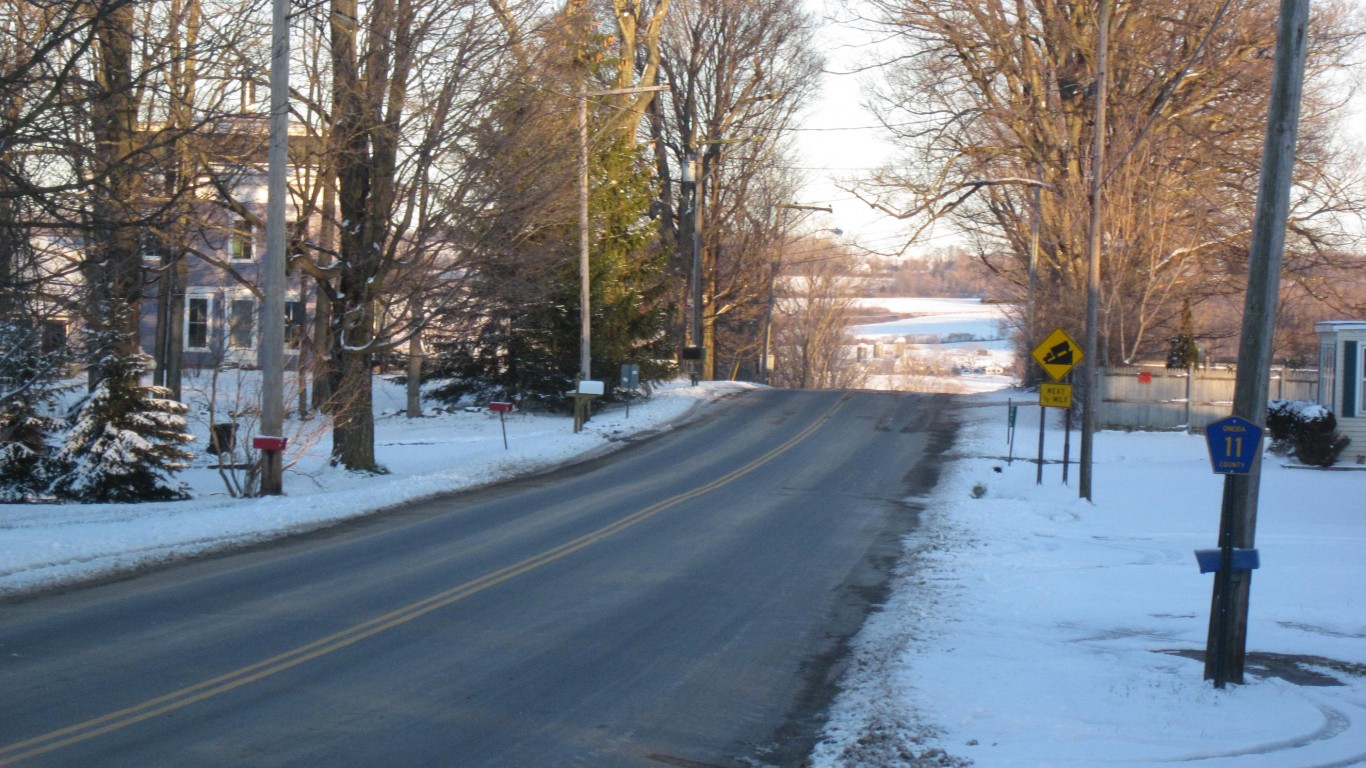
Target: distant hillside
949 274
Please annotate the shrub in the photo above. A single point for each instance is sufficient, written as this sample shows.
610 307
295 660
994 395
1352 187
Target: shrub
1306 431
125 441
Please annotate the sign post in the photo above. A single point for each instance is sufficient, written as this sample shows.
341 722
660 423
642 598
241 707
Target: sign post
1234 444
1011 411
1057 355
630 379
502 409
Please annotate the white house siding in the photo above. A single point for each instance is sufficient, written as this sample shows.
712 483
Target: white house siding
1335 337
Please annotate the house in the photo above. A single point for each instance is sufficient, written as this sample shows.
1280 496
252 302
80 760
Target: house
220 277
1342 379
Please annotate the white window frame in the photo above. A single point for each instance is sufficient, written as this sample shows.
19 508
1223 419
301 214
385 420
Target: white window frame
210 296
1328 362
229 316
1361 378
242 232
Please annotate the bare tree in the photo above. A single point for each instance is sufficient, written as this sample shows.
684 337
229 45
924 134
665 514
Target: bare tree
741 72
992 103
812 343
399 95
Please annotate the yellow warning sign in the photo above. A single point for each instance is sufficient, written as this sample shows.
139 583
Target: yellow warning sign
1057 354
1055 395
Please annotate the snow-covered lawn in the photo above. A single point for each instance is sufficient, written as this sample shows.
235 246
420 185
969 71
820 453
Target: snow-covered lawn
1028 627
46 545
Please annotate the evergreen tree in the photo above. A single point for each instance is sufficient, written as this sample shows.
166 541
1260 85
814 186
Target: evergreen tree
1182 351
628 311
126 439
28 395
527 346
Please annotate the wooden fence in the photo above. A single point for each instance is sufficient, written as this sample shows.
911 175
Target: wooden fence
1161 399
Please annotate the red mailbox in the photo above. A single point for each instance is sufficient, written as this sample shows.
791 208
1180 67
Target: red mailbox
500 407
261 443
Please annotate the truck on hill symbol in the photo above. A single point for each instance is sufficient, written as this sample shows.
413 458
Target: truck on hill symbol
1059 354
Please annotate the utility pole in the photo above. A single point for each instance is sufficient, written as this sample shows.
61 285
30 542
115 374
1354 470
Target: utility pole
1031 297
1226 649
1092 353
272 349
692 172
585 313
585 318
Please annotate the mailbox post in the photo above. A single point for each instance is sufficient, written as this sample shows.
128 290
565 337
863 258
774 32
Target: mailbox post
502 409
583 396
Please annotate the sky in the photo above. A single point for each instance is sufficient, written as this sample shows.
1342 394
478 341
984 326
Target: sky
1025 626
840 139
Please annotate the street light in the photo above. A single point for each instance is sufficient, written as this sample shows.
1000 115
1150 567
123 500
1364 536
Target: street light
695 177
764 367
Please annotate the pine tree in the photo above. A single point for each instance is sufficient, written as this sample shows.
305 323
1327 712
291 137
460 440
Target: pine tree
28 395
527 347
125 440
628 313
1182 351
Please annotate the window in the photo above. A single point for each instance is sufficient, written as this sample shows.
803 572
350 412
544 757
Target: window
294 324
52 336
1352 377
243 241
241 323
1327 374
198 314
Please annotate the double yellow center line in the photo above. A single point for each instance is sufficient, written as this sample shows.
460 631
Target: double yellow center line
89 729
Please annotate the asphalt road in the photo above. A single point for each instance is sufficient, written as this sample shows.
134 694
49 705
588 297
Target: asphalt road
682 602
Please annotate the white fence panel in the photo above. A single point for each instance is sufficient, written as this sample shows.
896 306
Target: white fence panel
1161 399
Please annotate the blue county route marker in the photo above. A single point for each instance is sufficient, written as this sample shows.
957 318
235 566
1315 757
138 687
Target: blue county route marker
1233 444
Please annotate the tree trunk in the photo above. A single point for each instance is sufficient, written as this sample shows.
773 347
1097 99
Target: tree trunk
353 431
415 364
170 330
116 267
324 372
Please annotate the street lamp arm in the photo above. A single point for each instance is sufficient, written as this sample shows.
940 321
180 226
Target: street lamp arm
622 91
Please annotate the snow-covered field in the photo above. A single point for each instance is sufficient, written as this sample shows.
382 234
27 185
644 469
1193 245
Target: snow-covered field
962 336
1026 627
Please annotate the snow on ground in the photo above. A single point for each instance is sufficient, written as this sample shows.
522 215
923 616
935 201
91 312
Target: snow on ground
48 545
1029 627
964 337
937 318
1026 627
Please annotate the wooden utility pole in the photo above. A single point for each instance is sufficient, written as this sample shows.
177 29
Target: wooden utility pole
272 350
1226 650
1090 395
585 286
